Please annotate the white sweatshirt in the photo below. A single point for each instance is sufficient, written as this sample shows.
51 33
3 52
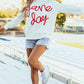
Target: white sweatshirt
41 17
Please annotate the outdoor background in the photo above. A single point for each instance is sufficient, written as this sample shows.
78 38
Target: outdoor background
65 57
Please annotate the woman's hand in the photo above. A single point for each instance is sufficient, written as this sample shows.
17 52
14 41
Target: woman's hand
2 30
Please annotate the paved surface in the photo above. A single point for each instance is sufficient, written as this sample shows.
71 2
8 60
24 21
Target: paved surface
66 58
70 55
14 72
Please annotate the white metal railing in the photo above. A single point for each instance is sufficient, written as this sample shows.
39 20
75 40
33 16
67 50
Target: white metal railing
19 54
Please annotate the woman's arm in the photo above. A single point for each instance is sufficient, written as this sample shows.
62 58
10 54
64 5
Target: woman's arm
68 9
15 21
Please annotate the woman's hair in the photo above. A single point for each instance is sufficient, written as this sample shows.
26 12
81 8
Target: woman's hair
28 3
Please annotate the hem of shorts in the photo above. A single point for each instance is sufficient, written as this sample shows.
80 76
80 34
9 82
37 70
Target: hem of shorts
38 44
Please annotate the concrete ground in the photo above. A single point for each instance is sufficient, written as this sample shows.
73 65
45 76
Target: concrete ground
64 59
14 72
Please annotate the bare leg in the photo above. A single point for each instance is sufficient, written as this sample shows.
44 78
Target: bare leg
37 51
34 76
34 72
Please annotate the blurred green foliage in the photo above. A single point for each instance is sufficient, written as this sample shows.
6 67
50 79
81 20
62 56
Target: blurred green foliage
59 1
8 13
23 2
1 33
11 13
61 17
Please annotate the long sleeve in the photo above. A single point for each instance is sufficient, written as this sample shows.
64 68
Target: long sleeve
68 9
15 21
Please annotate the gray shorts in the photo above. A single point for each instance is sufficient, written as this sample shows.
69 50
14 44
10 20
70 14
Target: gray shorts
30 43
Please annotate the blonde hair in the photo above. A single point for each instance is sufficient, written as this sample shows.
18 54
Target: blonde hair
28 3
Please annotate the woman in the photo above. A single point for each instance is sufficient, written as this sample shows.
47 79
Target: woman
41 16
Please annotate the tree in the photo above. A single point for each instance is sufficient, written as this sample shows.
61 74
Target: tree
8 13
23 2
61 17
59 1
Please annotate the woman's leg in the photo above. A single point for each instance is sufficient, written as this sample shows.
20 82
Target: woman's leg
34 72
37 51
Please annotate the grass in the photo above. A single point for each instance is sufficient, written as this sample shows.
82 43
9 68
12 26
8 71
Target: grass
1 33
76 42
73 44
73 38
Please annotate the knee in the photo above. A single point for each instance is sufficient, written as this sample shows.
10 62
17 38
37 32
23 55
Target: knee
31 62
